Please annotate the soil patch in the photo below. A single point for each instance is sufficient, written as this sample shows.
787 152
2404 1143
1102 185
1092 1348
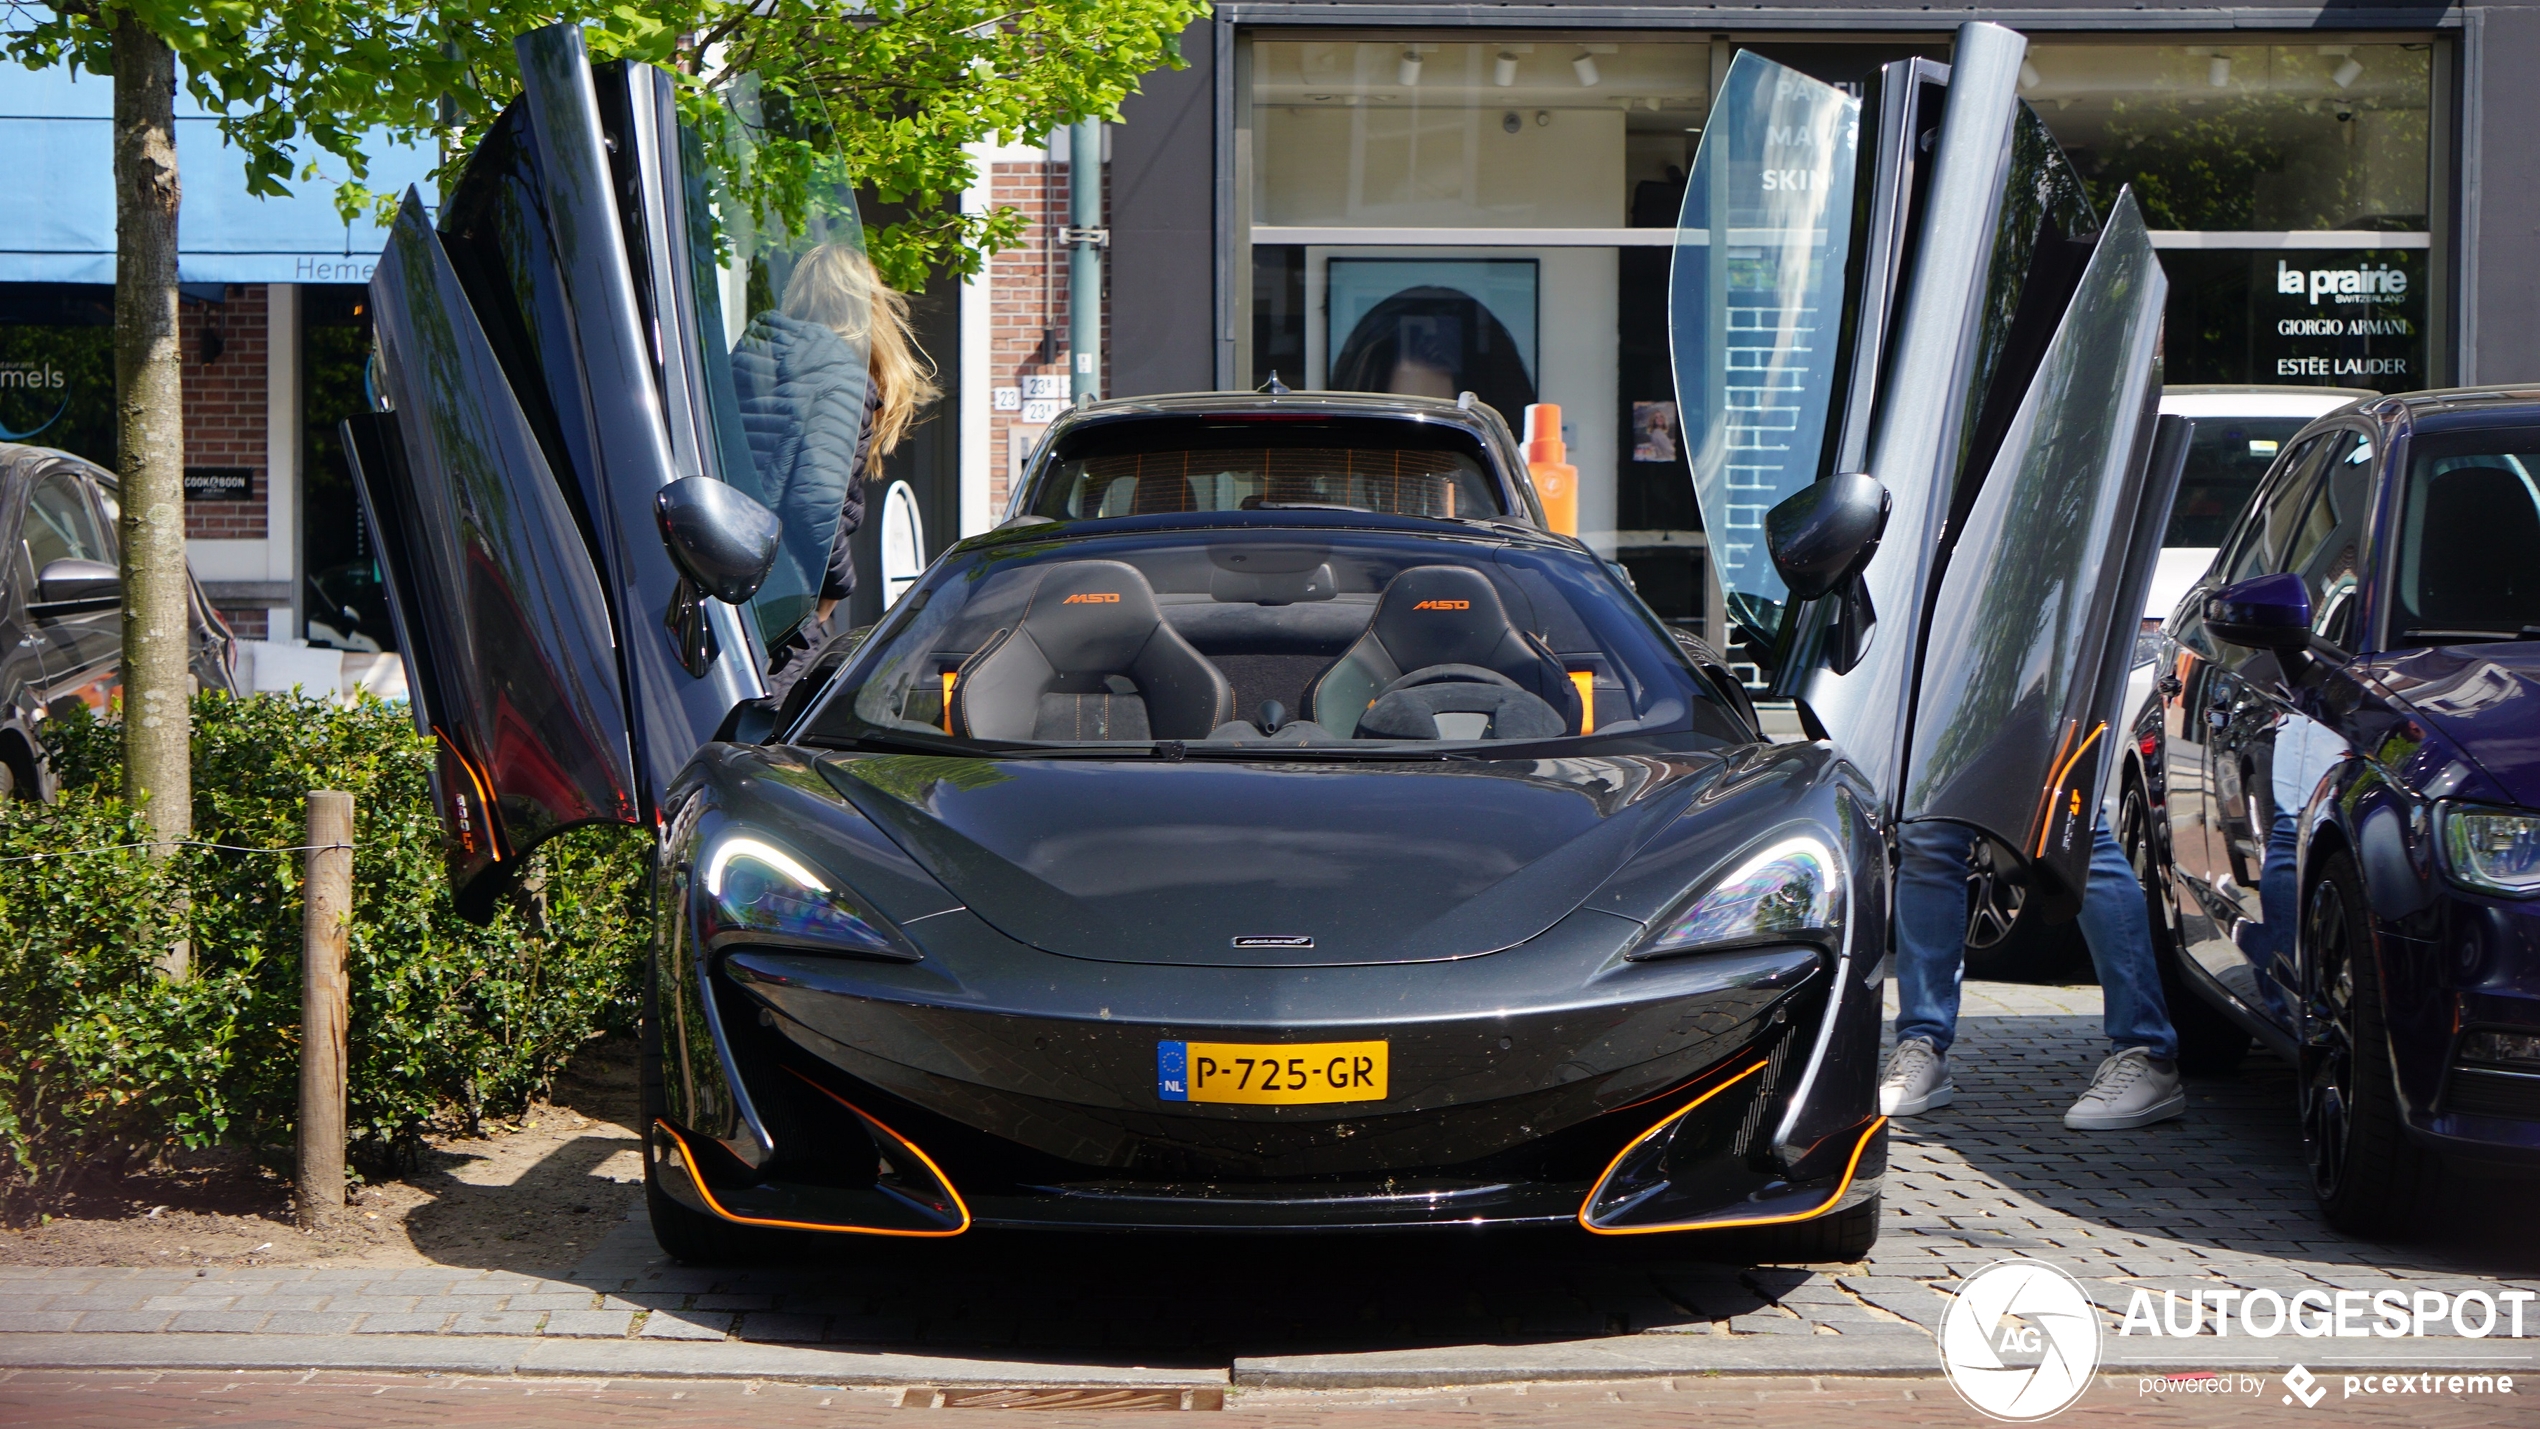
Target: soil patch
532 1195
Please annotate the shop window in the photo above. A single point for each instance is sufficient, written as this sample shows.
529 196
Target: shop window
57 367
2245 137
1505 133
2238 152
343 602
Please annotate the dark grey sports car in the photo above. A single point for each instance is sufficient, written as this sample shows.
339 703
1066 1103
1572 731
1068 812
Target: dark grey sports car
1271 824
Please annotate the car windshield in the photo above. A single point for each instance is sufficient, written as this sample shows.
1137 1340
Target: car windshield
2225 460
1238 463
1262 640
2467 530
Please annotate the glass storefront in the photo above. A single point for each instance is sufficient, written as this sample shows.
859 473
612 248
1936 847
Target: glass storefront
1439 211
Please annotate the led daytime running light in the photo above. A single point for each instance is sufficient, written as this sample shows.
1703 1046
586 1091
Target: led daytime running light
755 889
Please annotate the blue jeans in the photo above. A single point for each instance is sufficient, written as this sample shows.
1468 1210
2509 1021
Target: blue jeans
1931 930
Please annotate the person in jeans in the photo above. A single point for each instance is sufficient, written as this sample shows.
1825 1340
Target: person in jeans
2137 1085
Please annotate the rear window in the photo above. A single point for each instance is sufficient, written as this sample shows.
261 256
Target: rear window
1165 468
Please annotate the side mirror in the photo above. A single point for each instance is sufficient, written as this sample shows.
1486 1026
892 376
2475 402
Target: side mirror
721 540
2262 613
73 579
1822 535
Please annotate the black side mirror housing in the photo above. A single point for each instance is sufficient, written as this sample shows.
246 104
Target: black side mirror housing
721 540
1822 536
73 579
2262 613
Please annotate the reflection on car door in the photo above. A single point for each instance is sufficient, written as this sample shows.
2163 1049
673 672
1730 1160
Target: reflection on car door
2196 703
81 641
2272 751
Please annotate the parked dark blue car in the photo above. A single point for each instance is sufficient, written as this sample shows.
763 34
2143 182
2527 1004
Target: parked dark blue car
2335 802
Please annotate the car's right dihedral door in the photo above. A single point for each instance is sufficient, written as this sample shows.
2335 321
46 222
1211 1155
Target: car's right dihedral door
2030 631
1936 301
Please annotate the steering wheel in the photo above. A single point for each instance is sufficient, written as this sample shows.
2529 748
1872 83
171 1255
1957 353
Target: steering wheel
1449 675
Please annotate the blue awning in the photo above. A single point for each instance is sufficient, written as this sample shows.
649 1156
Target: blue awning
58 222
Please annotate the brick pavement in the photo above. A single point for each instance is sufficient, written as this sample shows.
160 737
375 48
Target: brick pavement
93 1400
2216 1201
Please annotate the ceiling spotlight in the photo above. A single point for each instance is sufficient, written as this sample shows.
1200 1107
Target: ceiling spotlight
2029 77
1503 71
2345 75
1409 74
1585 68
2218 71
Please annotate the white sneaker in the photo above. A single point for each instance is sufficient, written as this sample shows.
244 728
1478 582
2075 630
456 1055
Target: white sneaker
1917 1079
2129 1090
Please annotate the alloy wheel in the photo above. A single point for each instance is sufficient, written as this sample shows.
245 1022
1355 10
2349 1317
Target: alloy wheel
2327 1066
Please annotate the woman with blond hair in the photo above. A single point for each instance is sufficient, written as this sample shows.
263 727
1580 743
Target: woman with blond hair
829 383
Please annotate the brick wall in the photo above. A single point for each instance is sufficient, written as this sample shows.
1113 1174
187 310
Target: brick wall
225 408
1027 295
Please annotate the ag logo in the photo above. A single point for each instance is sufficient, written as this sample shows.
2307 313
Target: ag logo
2020 1341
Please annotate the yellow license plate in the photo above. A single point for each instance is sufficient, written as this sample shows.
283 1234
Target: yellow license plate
1270 1074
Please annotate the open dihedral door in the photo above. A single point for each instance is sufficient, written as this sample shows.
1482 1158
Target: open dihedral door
567 343
1933 303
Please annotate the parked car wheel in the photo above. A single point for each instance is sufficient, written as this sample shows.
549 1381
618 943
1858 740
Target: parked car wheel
2209 1042
2371 1178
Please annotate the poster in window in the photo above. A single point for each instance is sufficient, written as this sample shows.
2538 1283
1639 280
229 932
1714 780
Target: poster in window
1654 431
1434 327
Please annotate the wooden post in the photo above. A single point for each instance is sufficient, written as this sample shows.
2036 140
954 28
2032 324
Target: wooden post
325 929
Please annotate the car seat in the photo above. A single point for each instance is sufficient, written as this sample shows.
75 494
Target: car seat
1433 616
1091 659
2477 564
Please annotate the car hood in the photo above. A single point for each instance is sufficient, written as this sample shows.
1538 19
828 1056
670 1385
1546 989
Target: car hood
2486 701
1152 862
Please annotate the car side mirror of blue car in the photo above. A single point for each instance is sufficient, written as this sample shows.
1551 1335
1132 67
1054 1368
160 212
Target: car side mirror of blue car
2263 613
722 541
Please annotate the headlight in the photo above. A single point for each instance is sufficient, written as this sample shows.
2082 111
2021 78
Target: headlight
761 893
2494 850
1789 892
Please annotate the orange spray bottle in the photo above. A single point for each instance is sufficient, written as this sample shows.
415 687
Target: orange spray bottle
1556 481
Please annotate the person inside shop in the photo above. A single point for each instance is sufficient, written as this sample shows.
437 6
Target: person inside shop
829 384
2138 1084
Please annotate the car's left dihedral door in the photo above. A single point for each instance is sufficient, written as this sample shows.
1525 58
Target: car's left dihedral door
499 607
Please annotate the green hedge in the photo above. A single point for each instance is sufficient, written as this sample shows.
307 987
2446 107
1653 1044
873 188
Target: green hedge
104 1062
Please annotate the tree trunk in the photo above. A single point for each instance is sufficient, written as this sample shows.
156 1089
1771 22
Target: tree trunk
150 446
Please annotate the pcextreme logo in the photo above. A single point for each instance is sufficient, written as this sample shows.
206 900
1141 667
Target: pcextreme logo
1093 597
1444 605
2020 1341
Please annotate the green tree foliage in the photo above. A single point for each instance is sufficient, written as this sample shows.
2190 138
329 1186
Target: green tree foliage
107 1063
883 96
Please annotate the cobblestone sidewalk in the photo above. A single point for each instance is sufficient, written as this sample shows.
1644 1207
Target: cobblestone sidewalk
2215 1201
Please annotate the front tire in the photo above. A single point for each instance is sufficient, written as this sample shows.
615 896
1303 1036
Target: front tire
2372 1178
2209 1042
